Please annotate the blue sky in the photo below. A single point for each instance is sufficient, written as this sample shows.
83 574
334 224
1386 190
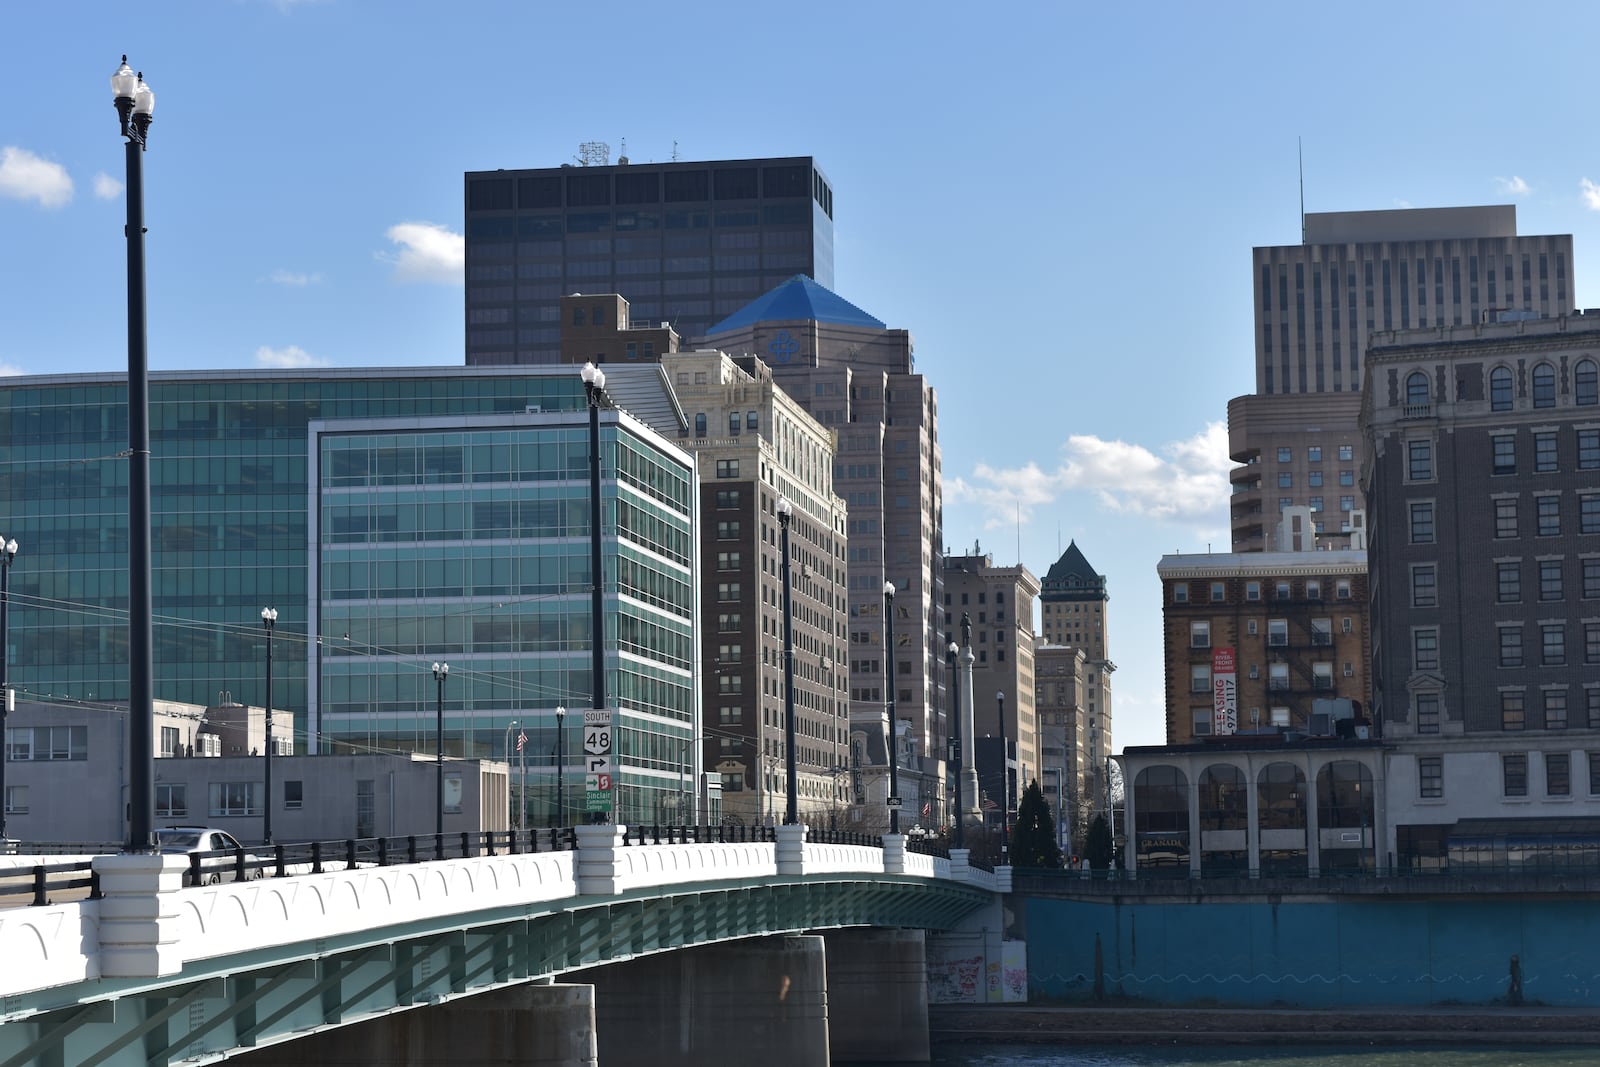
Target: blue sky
1059 201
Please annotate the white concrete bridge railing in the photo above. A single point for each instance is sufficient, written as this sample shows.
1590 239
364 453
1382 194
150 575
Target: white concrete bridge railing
149 924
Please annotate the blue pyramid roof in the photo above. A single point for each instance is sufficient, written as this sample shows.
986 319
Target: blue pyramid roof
798 299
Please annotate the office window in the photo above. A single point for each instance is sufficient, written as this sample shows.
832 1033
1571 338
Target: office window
727 531
1557 774
1281 591
728 590
172 800
1277 676
1347 478
1430 777
700 424
1219 592
1427 713
16 800
1589 513
1424 585
1425 648
1199 678
1554 643
1505 518
727 468
1285 454
1314 453
1285 502
1200 719
1422 522
294 792
1591 699
1544 453
1313 589
1555 709
1322 633
1594 773
1589 450
729 622
1199 635
1508 578
1314 479
1347 503
1250 627
1500 389
1347 452
1341 590
1285 480
1510 646
1419 461
234 798
728 561
727 498
733 424
1586 383
1514 774
1252 590
1544 386
1505 453
1180 592
1549 579
1549 509
1315 504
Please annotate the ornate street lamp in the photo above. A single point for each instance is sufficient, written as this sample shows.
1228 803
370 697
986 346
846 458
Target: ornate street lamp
791 812
441 671
1005 780
269 619
135 105
955 739
561 765
512 725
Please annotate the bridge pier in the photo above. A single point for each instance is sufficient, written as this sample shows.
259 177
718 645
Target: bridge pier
878 995
524 1026
761 1001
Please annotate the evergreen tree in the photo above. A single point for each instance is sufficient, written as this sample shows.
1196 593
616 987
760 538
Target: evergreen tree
1098 846
1033 838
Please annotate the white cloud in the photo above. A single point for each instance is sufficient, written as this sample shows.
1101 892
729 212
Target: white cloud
1189 480
1512 186
1591 194
106 187
293 356
9 370
427 253
296 279
24 176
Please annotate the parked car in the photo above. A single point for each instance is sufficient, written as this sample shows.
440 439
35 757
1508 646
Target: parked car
187 840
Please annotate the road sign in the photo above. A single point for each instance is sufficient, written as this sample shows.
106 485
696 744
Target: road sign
894 802
598 780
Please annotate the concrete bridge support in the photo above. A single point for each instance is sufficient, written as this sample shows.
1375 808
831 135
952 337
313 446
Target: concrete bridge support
524 1026
878 996
761 1001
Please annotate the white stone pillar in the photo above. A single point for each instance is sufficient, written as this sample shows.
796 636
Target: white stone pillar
960 864
894 853
791 849
139 915
596 866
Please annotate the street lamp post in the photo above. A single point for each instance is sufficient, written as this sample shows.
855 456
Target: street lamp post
561 766
8 552
135 105
1005 781
955 741
269 619
594 389
512 725
894 742
791 812
441 671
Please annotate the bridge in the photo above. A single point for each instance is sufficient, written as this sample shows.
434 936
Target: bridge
788 941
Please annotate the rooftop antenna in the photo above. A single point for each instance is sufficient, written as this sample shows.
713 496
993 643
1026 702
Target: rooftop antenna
1019 533
594 154
1300 150
674 151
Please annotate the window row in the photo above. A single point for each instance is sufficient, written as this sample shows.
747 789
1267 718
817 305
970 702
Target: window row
1502 386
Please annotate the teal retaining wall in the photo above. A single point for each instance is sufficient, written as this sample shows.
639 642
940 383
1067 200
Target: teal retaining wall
1315 954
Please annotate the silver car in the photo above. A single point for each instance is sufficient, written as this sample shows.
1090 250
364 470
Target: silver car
186 840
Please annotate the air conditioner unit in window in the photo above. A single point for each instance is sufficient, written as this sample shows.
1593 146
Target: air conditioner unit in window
1349 670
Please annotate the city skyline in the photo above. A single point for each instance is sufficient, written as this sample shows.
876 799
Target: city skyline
1077 206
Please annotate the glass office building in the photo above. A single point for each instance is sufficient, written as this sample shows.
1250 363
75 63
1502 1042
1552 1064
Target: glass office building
685 243
395 518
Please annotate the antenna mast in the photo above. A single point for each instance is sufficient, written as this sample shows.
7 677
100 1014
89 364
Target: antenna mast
1299 148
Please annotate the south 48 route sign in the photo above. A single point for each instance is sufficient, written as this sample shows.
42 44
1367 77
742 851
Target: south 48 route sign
598 779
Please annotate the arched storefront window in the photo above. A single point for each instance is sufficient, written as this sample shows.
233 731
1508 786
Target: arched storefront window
1161 819
1224 819
1281 815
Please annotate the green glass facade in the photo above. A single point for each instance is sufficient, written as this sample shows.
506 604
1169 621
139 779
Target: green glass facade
463 538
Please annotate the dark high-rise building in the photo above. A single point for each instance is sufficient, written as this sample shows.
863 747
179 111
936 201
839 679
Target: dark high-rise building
685 243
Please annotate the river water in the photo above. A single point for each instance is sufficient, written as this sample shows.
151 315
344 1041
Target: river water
992 1055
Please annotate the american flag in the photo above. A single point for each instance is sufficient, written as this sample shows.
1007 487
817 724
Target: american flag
522 739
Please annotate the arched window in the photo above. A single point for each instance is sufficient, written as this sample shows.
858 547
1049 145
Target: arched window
1161 817
1416 388
1500 389
1281 797
1224 803
1544 386
1344 795
1586 383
